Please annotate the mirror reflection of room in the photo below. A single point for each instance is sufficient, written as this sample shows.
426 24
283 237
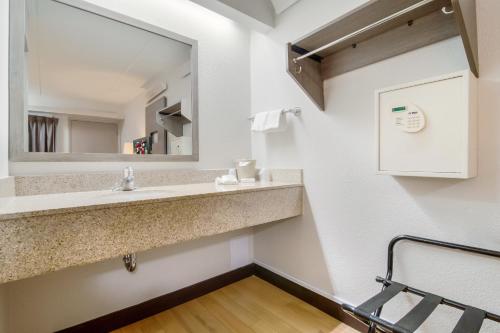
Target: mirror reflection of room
95 85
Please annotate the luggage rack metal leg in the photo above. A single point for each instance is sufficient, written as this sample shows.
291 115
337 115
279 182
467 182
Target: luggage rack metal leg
369 312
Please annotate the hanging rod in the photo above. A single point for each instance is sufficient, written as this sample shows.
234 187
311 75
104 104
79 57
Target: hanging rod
367 28
295 111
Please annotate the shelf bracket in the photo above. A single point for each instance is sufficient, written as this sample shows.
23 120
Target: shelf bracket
307 74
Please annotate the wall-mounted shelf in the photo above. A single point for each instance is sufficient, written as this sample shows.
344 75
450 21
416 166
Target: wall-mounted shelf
173 119
378 30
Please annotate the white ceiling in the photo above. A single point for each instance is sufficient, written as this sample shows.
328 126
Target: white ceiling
76 55
258 15
281 5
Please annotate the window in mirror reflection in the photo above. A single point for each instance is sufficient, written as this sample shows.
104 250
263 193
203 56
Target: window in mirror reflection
95 85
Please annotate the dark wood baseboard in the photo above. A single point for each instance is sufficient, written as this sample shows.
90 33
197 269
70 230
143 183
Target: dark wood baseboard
159 304
322 303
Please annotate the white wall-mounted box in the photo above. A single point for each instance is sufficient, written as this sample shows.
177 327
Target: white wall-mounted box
428 128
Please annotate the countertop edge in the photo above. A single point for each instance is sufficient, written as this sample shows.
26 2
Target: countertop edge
76 209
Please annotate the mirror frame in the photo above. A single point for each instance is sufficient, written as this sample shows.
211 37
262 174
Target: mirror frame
17 72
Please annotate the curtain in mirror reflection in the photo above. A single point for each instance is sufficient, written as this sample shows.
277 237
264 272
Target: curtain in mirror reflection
42 134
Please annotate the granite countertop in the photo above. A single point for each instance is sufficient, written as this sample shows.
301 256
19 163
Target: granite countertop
62 203
49 232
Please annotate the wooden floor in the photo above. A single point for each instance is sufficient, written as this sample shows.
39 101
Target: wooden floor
250 305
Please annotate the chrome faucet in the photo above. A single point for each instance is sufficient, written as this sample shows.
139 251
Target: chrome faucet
128 179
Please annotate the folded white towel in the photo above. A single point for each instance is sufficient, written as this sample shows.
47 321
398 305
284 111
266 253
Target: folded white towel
259 122
269 122
226 180
275 121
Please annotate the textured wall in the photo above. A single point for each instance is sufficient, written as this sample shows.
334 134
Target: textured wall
339 245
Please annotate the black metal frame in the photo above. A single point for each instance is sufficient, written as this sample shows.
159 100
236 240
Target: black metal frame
470 322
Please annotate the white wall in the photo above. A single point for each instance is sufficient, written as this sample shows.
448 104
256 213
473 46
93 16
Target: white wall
134 122
94 137
4 97
72 296
58 300
339 245
4 126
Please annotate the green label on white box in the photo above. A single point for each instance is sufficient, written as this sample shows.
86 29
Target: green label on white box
399 109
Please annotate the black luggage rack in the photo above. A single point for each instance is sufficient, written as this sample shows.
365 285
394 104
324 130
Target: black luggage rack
369 312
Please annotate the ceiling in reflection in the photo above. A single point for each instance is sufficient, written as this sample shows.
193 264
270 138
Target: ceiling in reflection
76 55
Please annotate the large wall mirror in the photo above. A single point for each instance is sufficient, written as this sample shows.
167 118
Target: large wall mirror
87 84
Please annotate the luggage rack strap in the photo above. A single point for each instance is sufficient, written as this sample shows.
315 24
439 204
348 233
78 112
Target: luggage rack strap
371 305
416 317
471 321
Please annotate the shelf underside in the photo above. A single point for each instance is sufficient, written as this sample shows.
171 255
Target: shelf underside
423 31
363 16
